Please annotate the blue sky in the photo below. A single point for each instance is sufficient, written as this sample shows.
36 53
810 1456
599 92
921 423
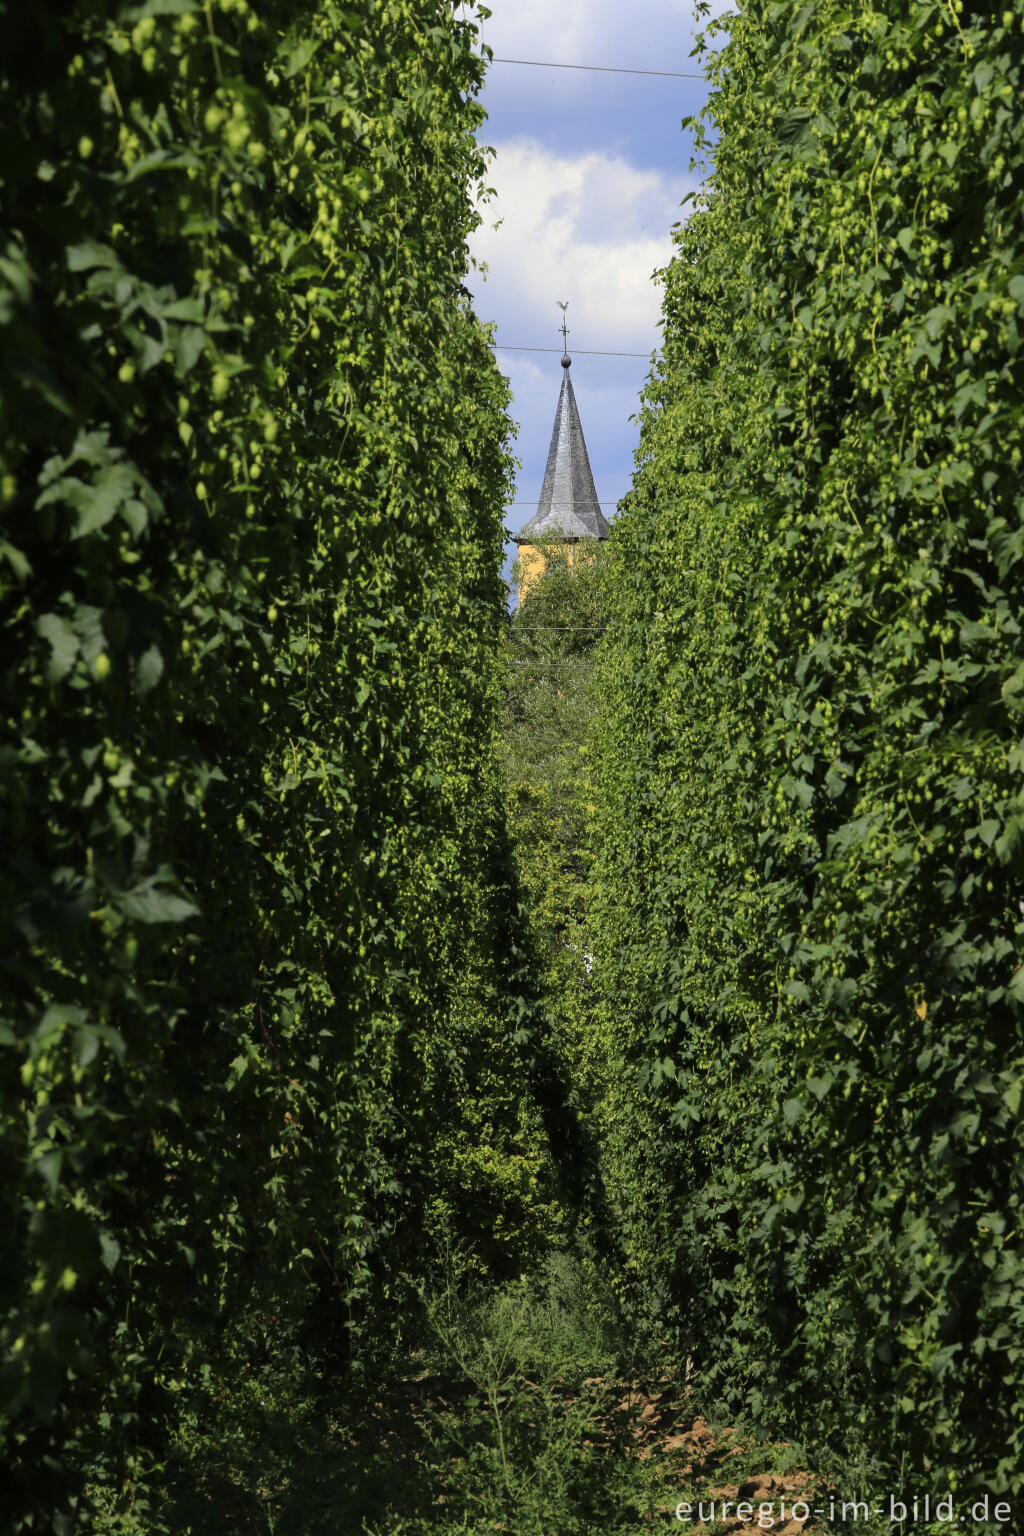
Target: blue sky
589 173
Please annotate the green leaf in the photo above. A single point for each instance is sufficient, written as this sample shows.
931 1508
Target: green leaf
86 1045
1012 690
136 514
166 8
90 255
161 160
190 309
1008 843
16 560
63 645
149 669
49 1166
188 348
300 56
110 1249
101 501
149 903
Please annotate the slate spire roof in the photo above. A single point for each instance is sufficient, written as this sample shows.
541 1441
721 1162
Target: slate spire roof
568 506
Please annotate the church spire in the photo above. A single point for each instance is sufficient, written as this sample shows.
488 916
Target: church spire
568 506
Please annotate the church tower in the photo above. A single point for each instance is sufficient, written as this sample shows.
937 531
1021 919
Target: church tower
568 511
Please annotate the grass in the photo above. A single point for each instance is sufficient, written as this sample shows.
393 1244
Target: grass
522 1409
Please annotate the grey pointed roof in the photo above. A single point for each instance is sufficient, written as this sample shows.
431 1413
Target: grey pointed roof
568 506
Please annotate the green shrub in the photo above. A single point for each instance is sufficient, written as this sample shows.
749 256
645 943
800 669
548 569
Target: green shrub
811 856
252 462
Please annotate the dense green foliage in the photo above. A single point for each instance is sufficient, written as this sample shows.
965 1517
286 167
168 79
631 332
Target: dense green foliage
549 651
253 459
306 973
548 716
520 1406
811 853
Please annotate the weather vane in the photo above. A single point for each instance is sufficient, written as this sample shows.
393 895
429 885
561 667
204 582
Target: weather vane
565 333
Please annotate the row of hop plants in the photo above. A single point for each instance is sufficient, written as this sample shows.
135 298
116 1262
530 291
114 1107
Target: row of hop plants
252 463
811 850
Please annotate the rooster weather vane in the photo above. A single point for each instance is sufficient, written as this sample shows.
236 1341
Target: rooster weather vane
564 330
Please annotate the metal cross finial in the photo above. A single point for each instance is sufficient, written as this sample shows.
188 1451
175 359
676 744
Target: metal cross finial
565 333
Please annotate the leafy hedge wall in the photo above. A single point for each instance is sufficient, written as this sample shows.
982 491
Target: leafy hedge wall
549 707
253 460
812 843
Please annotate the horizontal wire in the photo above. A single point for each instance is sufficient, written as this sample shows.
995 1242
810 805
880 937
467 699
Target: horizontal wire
500 346
605 69
584 351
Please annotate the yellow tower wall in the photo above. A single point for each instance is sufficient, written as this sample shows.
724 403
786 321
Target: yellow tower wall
534 560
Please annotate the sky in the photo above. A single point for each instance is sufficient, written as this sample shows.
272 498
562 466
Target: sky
589 172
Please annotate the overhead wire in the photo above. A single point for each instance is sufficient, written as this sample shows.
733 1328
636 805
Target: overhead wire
602 69
501 346
605 69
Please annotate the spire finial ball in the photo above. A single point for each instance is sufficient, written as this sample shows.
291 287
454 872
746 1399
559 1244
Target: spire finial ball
566 360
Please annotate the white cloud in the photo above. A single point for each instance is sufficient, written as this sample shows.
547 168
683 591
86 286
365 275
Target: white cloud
658 34
590 229
581 219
